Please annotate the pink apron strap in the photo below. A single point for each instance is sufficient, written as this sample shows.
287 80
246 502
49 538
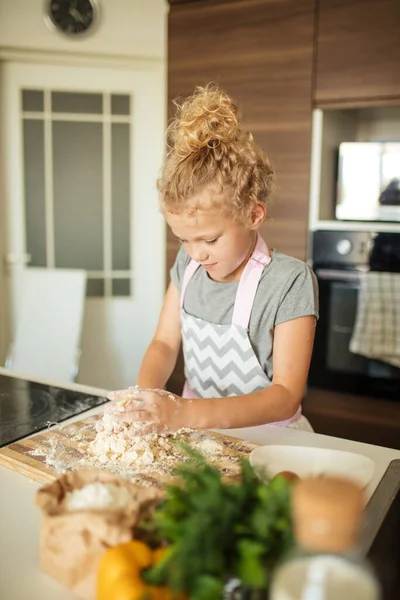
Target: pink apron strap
187 392
296 417
248 283
187 275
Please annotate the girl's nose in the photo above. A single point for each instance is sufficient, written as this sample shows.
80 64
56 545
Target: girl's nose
200 254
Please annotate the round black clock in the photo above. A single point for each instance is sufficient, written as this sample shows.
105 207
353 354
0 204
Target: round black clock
73 18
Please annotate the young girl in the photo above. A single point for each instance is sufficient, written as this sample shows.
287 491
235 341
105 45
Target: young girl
244 313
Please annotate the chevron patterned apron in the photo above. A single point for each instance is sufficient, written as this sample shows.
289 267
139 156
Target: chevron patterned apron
219 359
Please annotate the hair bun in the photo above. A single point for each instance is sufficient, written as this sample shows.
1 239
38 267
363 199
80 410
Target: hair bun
207 119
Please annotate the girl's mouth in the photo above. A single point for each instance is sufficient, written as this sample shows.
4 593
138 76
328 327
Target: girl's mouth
210 266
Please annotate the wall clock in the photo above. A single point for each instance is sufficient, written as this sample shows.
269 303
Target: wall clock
73 18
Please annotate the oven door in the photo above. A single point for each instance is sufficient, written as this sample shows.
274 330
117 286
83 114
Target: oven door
333 366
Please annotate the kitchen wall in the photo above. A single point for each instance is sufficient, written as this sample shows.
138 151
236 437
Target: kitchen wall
134 28
132 34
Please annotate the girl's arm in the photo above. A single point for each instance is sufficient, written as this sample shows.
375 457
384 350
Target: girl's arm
162 353
292 349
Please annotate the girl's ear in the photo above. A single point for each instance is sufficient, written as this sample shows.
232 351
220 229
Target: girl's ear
258 215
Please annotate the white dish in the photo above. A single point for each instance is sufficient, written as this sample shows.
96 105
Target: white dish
311 462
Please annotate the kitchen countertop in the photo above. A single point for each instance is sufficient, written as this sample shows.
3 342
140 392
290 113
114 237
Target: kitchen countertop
20 577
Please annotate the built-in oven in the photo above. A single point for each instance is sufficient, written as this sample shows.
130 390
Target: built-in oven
339 259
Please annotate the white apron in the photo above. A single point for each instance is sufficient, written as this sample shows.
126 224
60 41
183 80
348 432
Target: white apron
219 359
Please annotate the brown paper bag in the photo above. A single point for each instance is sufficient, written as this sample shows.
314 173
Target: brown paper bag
72 542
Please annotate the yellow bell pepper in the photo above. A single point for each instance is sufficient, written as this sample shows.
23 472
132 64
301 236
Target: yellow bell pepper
119 573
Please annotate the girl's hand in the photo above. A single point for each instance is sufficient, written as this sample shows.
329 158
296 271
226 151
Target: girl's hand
151 410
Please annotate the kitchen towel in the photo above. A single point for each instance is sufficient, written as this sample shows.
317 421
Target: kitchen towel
377 328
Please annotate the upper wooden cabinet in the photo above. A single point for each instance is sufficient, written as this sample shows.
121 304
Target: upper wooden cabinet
358 51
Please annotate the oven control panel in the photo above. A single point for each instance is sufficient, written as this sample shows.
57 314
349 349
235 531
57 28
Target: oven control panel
342 247
347 249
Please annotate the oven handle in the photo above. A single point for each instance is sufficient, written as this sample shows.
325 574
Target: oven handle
337 275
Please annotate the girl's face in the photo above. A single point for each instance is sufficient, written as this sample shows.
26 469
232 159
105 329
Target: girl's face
220 244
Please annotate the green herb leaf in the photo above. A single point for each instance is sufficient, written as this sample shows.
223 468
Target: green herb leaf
207 588
251 569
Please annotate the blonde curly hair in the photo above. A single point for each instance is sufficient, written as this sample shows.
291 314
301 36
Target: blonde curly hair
207 149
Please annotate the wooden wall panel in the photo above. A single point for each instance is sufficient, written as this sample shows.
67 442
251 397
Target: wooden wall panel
358 51
261 53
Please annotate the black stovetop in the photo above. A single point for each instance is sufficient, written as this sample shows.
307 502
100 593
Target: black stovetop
27 407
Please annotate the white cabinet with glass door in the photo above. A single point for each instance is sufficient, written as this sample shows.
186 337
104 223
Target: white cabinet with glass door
82 149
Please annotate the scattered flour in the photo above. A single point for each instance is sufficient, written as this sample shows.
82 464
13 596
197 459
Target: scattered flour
116 441
109 444
209 447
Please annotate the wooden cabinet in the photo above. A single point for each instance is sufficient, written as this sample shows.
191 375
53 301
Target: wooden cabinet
357 51
359 418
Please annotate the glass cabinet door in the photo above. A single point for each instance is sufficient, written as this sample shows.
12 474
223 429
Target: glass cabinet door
77 184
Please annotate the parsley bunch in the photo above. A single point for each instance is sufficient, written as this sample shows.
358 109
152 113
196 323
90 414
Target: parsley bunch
218 530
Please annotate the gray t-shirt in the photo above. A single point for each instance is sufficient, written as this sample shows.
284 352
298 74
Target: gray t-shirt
287 290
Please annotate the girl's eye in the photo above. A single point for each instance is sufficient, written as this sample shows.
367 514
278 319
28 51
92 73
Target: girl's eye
211 242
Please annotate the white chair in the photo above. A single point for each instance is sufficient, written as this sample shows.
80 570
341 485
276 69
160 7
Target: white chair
49 322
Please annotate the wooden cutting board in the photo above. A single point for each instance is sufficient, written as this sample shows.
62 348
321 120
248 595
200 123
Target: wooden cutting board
66 448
